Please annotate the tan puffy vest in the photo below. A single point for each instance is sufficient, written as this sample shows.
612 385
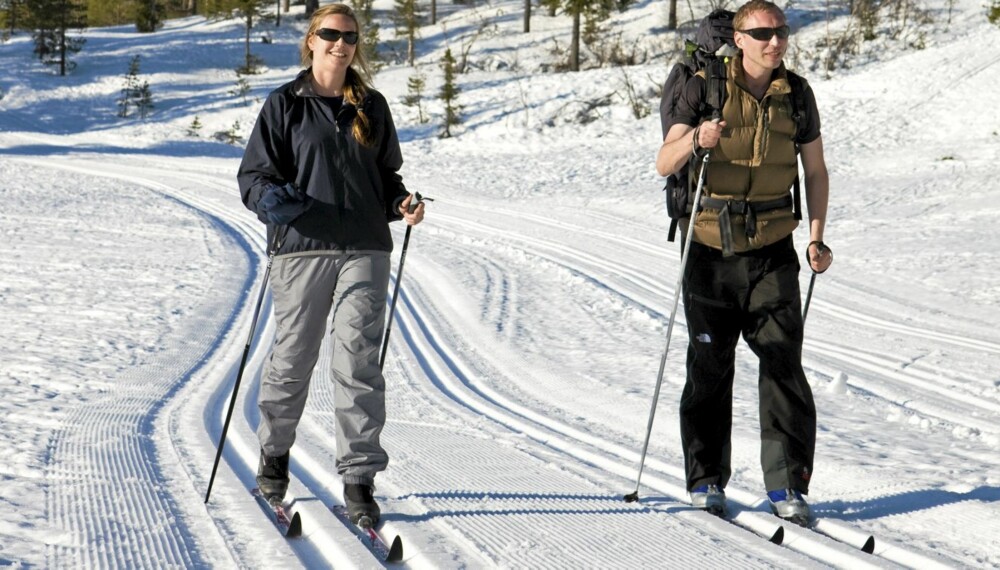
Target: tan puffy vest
755 161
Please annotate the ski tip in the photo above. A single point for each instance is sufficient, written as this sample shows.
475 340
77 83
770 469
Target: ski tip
779 536
632 497
294 526
869 546
395 551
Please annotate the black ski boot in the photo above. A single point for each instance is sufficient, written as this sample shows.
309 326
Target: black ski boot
361 506
272 477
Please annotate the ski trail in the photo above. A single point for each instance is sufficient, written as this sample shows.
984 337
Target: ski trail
509 484
453 364
105 474
452 376
879 375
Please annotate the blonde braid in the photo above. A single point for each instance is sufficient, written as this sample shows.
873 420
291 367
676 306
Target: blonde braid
355 91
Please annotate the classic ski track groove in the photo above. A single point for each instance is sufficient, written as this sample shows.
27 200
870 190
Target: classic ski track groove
567 440
318 545
897 390
829 527
130 484
451 375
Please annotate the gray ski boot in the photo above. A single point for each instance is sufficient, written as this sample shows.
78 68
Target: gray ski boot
710 498
789 505
361 506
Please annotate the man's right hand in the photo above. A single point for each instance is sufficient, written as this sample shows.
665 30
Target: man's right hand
709 133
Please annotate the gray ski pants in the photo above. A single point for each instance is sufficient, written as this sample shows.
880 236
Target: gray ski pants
305 289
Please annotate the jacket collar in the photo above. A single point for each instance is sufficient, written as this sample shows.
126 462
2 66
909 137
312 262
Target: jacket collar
302 86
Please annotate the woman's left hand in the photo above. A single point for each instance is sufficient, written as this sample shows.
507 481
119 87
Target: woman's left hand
416 216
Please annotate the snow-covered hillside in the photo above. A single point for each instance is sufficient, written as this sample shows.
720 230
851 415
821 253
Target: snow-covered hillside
531 319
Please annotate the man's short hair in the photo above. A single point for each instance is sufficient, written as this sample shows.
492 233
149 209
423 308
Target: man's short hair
753 6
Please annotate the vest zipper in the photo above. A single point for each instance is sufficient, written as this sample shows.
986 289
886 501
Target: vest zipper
765 126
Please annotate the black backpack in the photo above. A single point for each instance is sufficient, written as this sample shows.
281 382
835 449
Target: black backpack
710 52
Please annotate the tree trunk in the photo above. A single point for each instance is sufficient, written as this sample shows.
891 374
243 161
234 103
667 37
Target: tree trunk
574 45
527 16
434 11
285 5
672 17
411 50
62 52
246 42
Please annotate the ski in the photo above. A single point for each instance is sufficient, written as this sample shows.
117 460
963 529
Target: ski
844 534
289 525
773 535
370 538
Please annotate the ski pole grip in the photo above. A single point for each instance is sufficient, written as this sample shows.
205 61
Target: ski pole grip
417 198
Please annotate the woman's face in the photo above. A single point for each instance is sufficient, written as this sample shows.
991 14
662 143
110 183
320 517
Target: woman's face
333 54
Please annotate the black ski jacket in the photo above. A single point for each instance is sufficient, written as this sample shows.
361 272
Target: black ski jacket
303 138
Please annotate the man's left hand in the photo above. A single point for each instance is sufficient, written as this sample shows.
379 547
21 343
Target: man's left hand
819 256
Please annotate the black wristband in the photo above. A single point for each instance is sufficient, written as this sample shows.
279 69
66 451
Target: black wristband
695 147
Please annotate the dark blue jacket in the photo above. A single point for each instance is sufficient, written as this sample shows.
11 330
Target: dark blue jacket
298 138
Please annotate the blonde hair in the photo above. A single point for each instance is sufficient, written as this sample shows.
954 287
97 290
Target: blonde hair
752 7
358 80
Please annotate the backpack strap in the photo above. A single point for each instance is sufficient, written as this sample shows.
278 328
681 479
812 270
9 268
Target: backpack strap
715 85
800 115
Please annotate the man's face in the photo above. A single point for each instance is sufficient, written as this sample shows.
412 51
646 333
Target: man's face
762 55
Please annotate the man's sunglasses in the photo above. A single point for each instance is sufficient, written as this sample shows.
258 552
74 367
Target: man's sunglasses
331 35
765 34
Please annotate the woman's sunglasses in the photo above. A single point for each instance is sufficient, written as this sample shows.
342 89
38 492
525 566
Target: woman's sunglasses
331 35
765 34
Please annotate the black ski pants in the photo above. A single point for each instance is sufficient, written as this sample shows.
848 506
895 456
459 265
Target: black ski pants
755 294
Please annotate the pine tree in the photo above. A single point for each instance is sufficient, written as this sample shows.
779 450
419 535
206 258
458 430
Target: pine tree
134 93
110 12
232 136
407 20
194 130
369 42
131 88
144 100
250 11
586 15
415 90
242 88
12 16
51 22
449 94
149 15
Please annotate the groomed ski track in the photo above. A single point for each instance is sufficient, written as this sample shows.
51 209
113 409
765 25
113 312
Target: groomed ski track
545 489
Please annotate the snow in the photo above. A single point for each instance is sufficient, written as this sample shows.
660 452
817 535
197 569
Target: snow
531 320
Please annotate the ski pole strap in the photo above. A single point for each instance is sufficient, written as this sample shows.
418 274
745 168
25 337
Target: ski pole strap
277 239
821 247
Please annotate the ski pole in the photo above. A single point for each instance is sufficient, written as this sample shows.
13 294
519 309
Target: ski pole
417 198
634 496
809 294
278 236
